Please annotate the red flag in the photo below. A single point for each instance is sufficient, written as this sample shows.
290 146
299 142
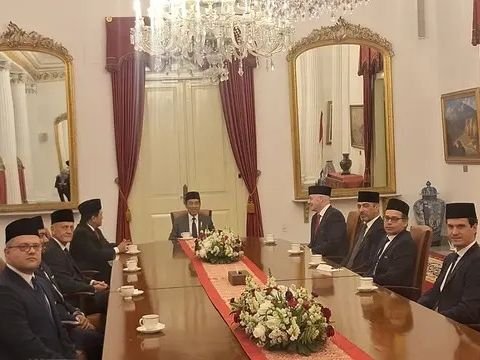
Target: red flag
320 135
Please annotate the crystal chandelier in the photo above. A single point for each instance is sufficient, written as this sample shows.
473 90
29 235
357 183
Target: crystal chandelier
208 33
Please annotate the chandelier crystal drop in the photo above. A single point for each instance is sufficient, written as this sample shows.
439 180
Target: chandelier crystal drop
206 34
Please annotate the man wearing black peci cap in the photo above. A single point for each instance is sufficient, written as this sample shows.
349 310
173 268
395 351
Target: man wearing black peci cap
30 326
394 263
328 234
89 248
370 233
192 222
456 292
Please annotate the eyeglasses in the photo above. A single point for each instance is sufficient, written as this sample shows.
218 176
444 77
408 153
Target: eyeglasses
26 247
392 218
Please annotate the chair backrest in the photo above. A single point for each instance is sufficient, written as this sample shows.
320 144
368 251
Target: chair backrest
175 214
2 264
422 235
353 224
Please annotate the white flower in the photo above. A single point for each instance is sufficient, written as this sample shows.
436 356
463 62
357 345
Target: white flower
259 331
202 253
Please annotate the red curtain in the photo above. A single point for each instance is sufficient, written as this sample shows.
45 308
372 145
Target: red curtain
371 62
238 102
21 180
476 23
3 183
127 69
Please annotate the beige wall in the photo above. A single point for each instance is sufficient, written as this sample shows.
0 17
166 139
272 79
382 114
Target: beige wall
422 70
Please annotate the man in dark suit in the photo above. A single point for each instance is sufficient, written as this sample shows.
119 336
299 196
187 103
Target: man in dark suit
67 274
328 229
30 326
192 221
370 234
83 334
394 263
89 248
456 292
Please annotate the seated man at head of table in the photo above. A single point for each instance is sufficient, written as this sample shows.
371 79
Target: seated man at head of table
30 326
394 264
328 235
456 292
192 222
370 233
89 248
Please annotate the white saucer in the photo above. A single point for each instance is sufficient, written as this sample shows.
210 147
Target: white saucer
367 289
295 252
133 252
269 242
316 263
160 327
137 292
134 270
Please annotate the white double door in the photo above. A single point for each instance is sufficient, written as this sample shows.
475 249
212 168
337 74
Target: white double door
184 143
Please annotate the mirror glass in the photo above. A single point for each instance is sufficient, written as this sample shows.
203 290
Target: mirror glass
37 147
342 118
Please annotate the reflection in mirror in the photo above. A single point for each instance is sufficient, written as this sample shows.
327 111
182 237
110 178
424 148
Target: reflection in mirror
35 147
336 86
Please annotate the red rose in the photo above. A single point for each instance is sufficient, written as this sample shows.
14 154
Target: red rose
306 305
326 313
330 331
288 295
292 302
236 316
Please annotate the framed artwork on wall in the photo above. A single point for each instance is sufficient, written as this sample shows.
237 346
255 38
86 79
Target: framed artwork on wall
328 140
461 126
356 126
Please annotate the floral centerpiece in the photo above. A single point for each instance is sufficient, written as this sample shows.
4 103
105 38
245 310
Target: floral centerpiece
278 317
219 247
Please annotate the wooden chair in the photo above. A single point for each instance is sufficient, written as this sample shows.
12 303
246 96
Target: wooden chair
2 264
175 214
422 235
353 225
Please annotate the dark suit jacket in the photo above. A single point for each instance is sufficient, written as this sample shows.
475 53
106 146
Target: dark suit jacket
181 225
26 329
369 248
66 272
397 264
460 298
330 240
91 251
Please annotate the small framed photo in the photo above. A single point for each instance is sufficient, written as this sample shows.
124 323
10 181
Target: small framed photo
328 140
356 126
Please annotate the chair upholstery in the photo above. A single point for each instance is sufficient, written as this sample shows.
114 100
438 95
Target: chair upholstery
2 264
175 214
422 235
353 225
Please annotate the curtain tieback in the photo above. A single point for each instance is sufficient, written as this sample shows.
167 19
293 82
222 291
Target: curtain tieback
250 204
128 213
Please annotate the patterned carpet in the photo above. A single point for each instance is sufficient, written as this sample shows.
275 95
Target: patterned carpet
433 269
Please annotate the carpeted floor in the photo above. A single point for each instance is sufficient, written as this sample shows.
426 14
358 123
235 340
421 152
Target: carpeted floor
434 266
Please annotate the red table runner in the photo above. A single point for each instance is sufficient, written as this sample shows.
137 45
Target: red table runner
214 279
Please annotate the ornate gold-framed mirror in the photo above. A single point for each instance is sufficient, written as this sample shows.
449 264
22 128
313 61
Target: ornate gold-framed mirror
341 111
37 125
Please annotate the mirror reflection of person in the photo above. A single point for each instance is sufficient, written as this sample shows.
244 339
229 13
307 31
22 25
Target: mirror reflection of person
62 183
192 222
456 292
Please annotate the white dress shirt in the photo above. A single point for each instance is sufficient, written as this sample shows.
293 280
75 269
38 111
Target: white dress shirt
197 222
323 211
460 253
370 223
26 277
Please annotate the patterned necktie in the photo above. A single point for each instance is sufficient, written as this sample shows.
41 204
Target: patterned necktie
358 244
317 224
41 296
450 271
194 228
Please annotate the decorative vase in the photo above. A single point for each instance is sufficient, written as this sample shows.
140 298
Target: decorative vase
346 164
429 210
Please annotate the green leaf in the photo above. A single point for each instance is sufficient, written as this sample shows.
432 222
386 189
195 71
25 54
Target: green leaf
303 350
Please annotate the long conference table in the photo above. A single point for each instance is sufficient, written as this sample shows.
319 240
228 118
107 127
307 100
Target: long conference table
384 325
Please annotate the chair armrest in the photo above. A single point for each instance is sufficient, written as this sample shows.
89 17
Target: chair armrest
90 273
79 294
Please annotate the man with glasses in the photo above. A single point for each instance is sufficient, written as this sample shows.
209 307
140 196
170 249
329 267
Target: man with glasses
370 234
394 264
328 235
30 326
192 222
456 292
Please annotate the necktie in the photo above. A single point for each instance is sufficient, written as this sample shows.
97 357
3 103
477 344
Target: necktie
40 294
380 253
194 228
450 271
317 224
358 244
